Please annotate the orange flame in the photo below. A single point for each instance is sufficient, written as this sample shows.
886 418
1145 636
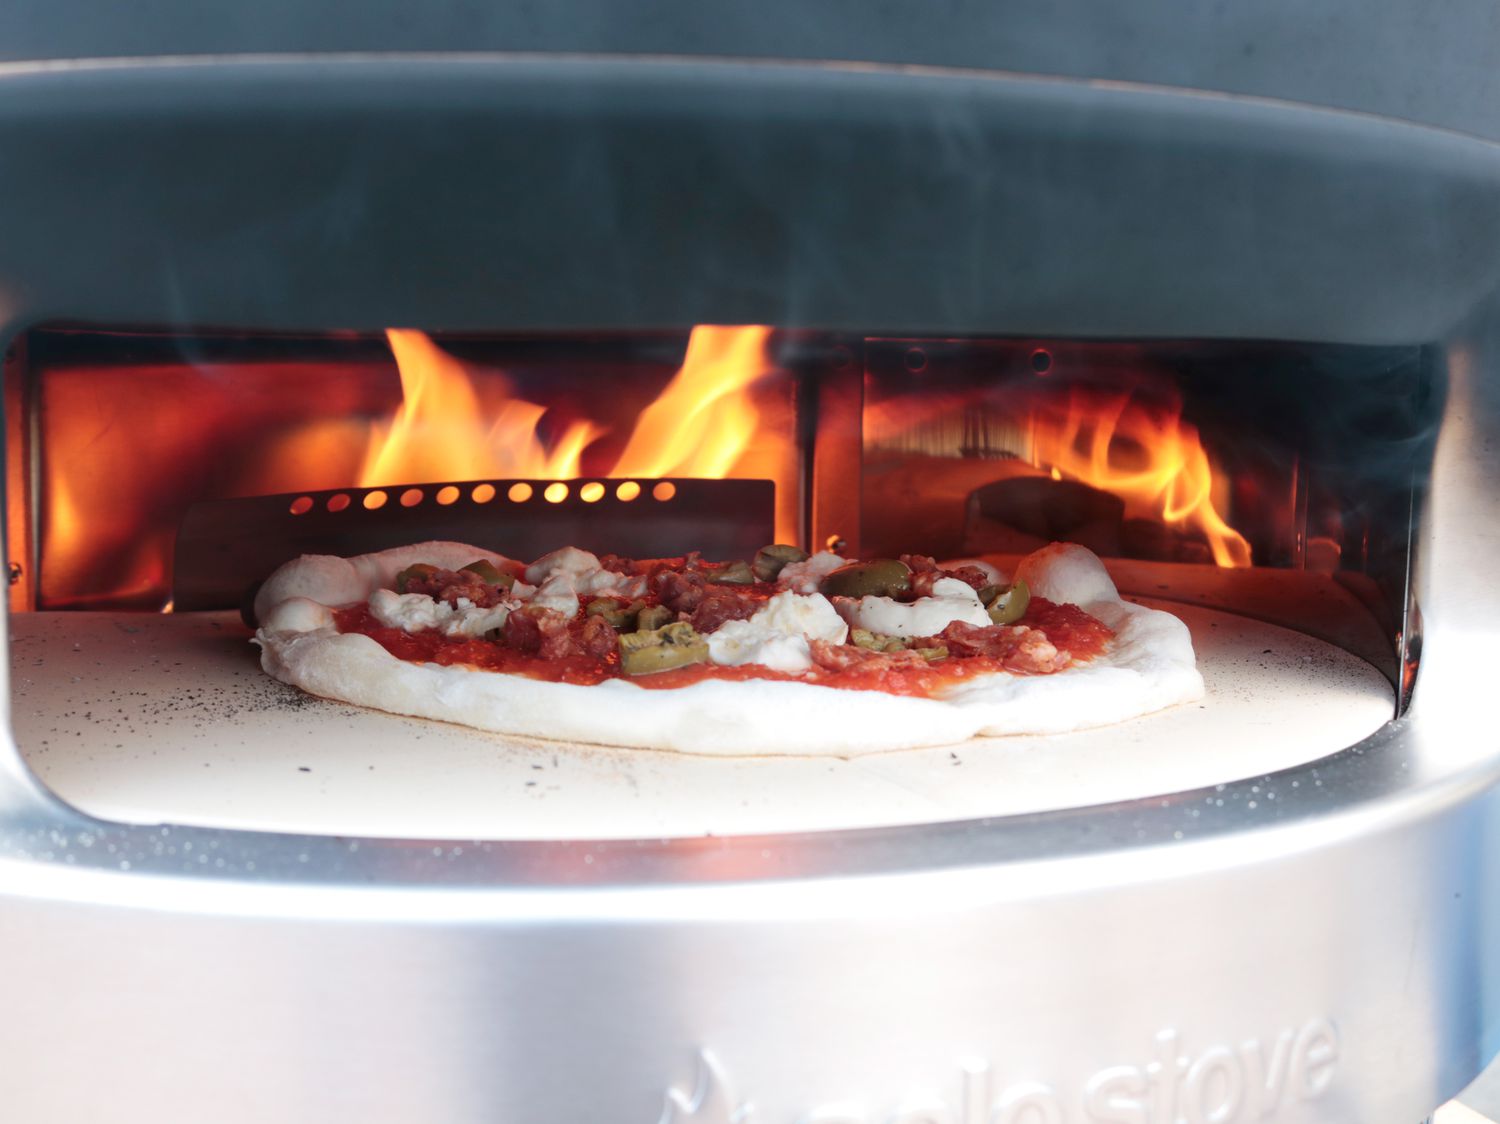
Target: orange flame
438 432
704 420
90 525
1146 454
704 424
117 469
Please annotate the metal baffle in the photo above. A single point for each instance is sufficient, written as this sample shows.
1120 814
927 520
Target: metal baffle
227 547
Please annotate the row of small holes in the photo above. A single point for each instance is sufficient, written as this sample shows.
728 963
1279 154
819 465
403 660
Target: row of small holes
591 492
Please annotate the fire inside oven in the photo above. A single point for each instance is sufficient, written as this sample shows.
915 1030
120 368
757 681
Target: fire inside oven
1263 490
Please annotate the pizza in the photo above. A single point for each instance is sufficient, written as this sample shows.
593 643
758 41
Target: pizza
785 653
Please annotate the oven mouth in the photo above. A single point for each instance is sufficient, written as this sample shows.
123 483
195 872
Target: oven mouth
1292 556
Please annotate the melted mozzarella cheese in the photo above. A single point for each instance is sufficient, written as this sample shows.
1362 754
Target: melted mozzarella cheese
410 612
742 642
562 590
952 600
470 620
559 592
607 583
777 635
568 560
807 577
416 612
565 575
812 616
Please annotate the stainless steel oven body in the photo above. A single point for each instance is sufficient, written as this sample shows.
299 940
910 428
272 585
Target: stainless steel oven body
1317 945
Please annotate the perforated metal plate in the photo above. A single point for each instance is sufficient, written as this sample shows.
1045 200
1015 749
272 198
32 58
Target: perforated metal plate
227 547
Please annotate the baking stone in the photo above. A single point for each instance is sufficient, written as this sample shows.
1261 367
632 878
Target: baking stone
169 719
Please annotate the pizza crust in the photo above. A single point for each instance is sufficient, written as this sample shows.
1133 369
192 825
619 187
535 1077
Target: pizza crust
1149 666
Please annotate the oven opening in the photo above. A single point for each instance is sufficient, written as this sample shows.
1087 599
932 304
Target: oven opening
1266 493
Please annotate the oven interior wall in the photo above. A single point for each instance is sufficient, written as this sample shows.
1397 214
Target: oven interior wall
1278 480
116 435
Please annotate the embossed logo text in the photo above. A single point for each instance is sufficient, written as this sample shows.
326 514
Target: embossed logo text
1221 1083
1240 1082
710 1102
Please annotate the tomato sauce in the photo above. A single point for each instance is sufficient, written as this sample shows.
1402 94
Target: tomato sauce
891 680
432 646
1067 626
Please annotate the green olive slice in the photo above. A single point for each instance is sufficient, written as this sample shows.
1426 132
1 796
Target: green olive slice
417 571
730 573
653 617
1009 605
885 577
875 641
771 560
674 645
663 657
617 614
489 575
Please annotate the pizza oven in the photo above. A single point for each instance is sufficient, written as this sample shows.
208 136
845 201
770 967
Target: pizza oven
318 287
1283 535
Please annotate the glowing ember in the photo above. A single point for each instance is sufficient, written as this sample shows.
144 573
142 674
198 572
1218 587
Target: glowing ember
1142 451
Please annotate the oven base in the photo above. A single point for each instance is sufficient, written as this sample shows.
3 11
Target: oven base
390 981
